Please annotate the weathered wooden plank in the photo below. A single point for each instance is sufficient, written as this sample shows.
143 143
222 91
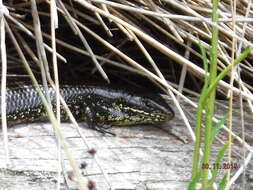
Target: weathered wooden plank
142 157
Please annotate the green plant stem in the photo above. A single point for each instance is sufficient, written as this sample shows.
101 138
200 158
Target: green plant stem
199 115
202 102
209 107
198 140
214 84
211 99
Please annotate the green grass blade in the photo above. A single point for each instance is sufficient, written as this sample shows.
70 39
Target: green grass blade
223 183
199 114
206 67
209 108
205 63
218 162
192 184
203 99
217 127
225 71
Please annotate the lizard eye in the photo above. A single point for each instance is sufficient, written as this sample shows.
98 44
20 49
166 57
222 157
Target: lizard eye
148 103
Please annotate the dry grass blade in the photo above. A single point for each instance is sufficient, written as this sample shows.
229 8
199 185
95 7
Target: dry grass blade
3 83
82 182
84 41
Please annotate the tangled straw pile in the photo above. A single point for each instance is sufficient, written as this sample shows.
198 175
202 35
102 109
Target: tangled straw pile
172 28
139 36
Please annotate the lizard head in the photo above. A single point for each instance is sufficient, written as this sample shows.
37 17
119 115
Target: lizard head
134 110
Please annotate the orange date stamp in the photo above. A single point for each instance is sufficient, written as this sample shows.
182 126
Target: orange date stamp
222 166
